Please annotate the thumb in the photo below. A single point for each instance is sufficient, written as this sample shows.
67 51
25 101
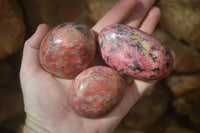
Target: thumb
30 60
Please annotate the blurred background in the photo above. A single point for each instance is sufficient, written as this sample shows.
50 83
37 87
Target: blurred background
170 106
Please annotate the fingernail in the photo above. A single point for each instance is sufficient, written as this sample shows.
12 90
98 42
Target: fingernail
173 54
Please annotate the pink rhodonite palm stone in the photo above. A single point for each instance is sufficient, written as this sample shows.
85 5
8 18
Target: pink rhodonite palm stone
134 52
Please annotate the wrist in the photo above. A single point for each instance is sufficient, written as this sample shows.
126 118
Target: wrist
32 127
27 129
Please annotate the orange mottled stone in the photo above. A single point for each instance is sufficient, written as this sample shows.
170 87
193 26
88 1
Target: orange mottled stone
96 91
67 49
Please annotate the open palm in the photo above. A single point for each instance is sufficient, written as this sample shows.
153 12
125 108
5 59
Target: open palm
46 96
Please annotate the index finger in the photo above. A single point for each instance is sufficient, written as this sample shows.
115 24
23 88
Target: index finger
116 15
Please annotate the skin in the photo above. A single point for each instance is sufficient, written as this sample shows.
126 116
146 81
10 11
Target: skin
46 97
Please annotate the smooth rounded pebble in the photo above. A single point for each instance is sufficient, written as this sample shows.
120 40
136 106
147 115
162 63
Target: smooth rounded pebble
135 53
96 91
67 49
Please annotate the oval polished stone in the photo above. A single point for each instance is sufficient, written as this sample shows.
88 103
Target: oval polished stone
95 91
67 49
135 53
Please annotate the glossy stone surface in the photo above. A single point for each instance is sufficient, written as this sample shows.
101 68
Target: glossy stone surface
96 91
134 52
67 50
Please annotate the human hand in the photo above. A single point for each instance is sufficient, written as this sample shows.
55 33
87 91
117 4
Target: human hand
46 97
